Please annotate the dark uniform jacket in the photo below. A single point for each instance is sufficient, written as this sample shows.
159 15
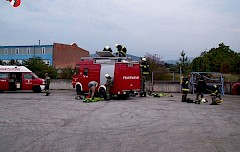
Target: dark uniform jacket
185 83
121 51
145 68
201 85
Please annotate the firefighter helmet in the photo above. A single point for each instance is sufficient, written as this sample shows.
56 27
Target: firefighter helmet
116 45
107 75
144 59
107 47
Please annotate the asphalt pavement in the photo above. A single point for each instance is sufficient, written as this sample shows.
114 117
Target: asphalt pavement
33 122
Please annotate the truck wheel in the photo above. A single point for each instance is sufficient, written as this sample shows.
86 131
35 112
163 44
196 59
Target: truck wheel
78 90
102 93
36 89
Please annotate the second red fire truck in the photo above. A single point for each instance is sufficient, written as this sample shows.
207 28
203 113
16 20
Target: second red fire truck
126 75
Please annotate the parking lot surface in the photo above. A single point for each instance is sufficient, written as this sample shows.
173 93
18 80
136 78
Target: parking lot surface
33 122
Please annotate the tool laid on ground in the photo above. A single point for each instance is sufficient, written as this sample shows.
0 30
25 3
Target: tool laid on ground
78 97
190 100
203 100
95 99
47 93
154 94
88 99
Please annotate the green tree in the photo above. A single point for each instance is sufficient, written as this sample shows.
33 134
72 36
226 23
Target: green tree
156 64
221 59
66 73
40 68
13 62
183 63
235 65
171 67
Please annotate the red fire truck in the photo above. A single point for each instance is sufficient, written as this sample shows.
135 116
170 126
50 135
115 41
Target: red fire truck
126 75
13 78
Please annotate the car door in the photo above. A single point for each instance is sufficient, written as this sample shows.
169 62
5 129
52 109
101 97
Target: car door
4 81
27 79
85 78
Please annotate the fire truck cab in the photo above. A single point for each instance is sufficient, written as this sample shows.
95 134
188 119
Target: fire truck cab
13 78
126 76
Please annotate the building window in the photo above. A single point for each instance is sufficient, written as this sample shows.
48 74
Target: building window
43 50
28 50
17 51
6 51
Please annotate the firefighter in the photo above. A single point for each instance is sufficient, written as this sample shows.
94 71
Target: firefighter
185 88
107 85
200 88
121 50
145 67
47 83
107 48
144 72
92 87
215 95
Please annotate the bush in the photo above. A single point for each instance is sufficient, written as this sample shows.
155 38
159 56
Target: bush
65 73
231 78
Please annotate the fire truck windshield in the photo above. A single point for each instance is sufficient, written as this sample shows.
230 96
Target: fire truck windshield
34 75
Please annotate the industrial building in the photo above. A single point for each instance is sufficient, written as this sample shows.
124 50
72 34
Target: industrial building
57 55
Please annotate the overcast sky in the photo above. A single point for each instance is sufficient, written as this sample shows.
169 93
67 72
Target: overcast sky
163 27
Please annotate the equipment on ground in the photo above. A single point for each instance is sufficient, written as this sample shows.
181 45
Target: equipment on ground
155 94
48 93
203 100
78 97
95 99
190 100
